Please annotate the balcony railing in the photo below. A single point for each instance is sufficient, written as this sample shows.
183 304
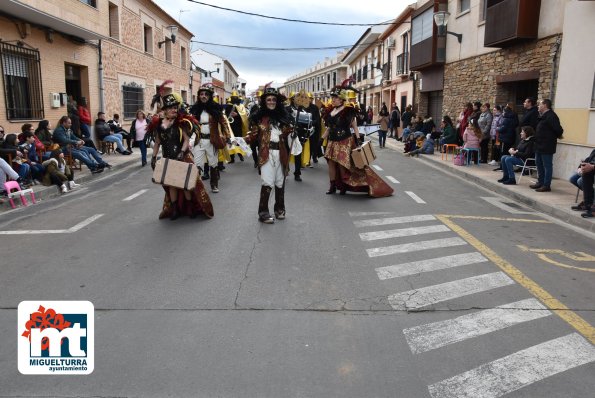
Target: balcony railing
403 64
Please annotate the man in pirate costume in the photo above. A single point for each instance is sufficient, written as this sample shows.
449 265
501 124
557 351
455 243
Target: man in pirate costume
292 111
213 135
340 120
271 125
235 110
171 132
315 147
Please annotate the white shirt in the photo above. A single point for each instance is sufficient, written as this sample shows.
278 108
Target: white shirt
275 133
204 123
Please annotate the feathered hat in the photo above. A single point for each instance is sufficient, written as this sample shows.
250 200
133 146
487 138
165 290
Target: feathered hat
165 101
343 89
208 87
268 91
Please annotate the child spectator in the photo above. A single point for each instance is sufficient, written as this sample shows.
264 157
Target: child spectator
58 172
427 146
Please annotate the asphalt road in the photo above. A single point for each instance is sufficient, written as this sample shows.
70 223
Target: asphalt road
442 290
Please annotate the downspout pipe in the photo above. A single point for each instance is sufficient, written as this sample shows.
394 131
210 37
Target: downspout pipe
101 88
555 68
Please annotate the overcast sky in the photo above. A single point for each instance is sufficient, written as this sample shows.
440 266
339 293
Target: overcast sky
258 67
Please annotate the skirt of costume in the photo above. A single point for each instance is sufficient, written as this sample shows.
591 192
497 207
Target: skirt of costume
199 199
354 179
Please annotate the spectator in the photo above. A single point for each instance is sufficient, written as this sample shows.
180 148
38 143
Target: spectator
463 119
449 135
587 171
577 180
507 131
138 130
395 121
496 117
85 117
406 117
30 152
531 113
406 132
472 136
428 125
116 127
418 125
485 124
58 172
14 156
73 114
70 144
547 134
427 146
518 156
383 120
6 173
370 114
106 133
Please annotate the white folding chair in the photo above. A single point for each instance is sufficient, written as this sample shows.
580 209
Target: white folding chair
527 167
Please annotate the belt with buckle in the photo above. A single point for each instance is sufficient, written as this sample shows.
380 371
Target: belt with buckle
274 145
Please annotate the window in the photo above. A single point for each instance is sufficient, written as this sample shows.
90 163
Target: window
464 5
422 26
168 51
114 23
148 39
184 95
22 82
483 9
92 3
133 95
183 57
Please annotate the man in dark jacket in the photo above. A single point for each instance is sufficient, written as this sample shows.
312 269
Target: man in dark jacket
546 138
106 133
531 113
586 174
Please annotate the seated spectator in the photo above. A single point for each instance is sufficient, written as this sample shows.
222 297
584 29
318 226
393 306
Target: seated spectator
13 155
116 127
30 152
583 179
7 173
428 125
427 146
58 172
472 136
105 133
70 144
418 124
517 157
406 132
410 142
43 134
449 134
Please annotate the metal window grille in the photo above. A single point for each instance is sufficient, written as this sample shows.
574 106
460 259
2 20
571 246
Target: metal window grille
133 99
22 82
92 3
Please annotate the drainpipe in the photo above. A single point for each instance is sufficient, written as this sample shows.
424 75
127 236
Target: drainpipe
555 68
101 88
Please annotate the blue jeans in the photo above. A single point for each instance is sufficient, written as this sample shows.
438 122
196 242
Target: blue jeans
577 181
508 162
545 168
24 170
381 138
85 131
143 150
89 156
117 138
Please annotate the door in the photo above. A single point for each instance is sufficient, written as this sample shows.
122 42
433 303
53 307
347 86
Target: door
435 106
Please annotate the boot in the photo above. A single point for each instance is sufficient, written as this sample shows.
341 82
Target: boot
280 203
332 189
205 176
214 179
342 188
175 212
220 166
263 206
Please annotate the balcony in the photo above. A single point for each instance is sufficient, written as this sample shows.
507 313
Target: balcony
403 64
509 22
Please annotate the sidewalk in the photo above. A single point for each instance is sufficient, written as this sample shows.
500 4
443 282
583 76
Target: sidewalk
555 203
117 161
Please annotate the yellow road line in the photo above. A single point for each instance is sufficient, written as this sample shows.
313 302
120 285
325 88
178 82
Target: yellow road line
499 219
573 319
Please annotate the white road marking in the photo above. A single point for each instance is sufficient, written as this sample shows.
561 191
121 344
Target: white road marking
422 297
433 264
518 370
396 233
499 204
393 220
415 246
77 227
84 223
392 179
377 167
439 334
136 195
415 197
369 213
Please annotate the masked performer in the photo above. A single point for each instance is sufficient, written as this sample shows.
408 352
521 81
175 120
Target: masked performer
171 133
340 120
271 126
213 135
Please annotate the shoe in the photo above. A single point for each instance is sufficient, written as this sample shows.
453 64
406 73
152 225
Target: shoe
298 178
96 170
498 169
129 149
63 188
535 186
120 151
543 189
204 177
493 163
109 166
588 213
315 160
332 189
127 152
144 163
255 165
101 152
310 165
580 207
509 182
241 157
72 185
501 180
175 212
268 219
214 189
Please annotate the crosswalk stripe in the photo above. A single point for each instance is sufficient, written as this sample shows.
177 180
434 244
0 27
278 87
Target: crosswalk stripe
377 167
422 297
518 370
433 264
415 197
439 334
396 233
392 179
415 246
393 220
369 213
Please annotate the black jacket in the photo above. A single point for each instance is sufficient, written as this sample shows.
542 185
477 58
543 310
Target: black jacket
102 129
526 149
530 118
547 133
507 129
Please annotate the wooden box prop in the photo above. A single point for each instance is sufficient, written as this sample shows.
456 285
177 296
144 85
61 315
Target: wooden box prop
364 155
174 173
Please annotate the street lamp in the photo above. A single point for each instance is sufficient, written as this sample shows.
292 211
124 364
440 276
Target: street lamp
209 73
441 19
173 30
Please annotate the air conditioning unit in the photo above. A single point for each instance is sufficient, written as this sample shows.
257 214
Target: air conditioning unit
55 100
391 42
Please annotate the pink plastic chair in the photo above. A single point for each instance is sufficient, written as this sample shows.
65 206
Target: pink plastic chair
9 186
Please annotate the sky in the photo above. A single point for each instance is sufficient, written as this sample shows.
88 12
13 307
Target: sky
259 67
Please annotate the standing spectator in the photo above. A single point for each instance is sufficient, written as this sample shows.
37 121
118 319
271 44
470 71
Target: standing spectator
383 108
463 119
85 117
383 120
370 115
395 121
73 114
518 156
531 113
406 117
138 130
116 127
105 133
485 125
507 131
546 138
496 117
